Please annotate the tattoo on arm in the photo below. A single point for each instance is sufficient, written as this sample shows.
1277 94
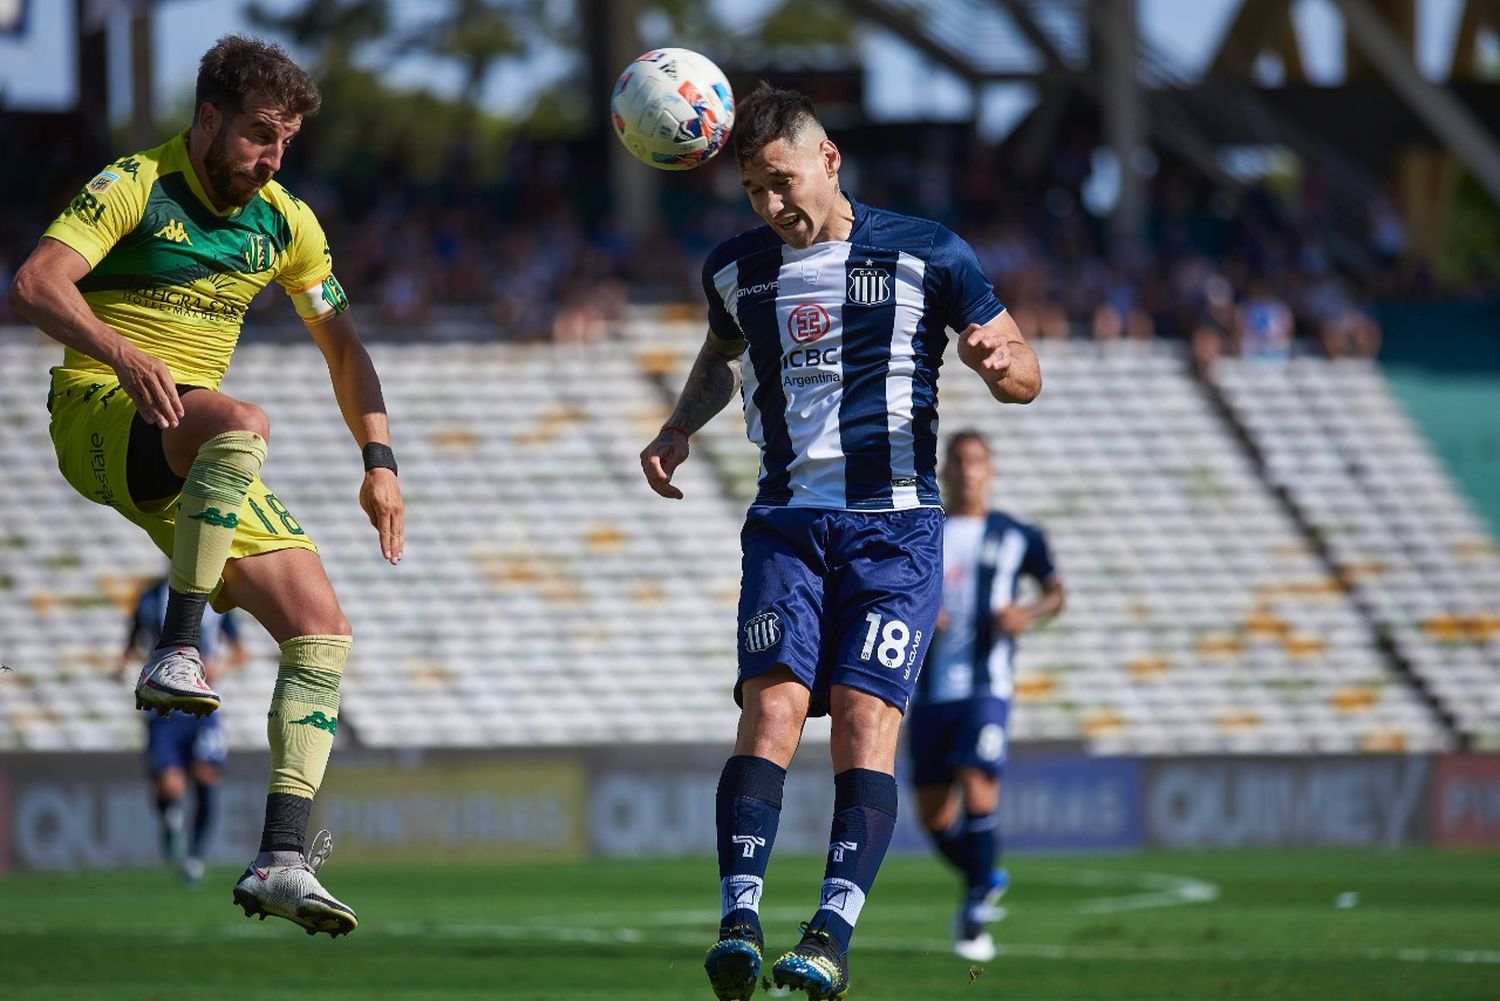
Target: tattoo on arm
711 384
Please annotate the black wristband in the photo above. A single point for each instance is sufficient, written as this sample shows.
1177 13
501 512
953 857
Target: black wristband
378 456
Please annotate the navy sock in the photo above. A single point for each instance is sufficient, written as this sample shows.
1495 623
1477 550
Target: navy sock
747 810
183 621
950 845
203 818
981 848
171 812
864 818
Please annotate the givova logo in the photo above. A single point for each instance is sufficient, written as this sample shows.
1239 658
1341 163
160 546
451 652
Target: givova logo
762 632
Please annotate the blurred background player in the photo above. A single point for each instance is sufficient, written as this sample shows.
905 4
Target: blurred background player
958 725
180 744
146 278
835 315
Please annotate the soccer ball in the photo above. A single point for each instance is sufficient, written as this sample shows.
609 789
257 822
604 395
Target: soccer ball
673 109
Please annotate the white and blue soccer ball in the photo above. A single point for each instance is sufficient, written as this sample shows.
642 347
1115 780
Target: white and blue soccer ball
673 109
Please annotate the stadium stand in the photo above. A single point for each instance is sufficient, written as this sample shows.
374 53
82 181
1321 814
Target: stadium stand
548 598
1412 552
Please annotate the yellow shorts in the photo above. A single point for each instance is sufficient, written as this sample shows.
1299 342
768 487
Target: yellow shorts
91 417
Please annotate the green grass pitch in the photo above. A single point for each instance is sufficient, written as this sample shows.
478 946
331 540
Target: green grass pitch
1177 926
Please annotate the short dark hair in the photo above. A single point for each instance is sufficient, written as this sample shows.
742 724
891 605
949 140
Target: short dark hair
959 437
767 114
238 68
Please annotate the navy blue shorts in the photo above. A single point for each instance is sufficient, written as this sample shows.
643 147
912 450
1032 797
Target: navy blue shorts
942 737
840 597
178 740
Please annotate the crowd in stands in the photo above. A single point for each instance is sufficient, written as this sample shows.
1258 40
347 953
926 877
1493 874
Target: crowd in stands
1243 273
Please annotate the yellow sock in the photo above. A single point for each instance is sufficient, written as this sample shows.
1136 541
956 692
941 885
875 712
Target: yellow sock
208 512
305 712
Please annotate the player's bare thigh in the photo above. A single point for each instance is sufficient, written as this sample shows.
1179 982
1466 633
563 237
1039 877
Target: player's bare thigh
288 592
207 415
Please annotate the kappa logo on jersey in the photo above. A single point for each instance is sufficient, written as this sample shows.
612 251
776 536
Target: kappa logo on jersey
749 842
840 847
807 323
869 286
762 632
174 231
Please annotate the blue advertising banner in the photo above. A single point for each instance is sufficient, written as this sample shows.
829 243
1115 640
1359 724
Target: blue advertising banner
1071 803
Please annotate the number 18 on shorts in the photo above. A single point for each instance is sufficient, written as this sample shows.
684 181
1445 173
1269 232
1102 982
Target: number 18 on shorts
840 597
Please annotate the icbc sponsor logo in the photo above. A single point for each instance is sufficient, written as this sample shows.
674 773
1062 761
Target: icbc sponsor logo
807 323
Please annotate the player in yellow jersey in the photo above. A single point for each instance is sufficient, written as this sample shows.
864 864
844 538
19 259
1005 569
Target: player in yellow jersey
145 279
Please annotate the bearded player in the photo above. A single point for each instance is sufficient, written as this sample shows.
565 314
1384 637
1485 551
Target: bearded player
145 280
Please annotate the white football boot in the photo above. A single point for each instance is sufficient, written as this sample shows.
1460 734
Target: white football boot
173 679
292 891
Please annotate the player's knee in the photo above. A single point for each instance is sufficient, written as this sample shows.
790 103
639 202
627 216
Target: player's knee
778 718
249 417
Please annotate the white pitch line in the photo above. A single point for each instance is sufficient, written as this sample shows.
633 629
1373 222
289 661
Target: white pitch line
871 943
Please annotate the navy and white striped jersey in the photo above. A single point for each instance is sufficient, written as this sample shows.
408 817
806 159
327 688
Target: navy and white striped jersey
983 562
844 341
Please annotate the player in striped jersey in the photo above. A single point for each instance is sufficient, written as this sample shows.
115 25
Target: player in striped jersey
832 319
956 731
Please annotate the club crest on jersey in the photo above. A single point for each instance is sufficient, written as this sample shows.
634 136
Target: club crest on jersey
258 252
807 323
869 286
762 632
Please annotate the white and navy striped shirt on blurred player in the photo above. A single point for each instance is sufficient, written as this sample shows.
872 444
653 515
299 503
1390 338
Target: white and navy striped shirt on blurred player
984 559
845 340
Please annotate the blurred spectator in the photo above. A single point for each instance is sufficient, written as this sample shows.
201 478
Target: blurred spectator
1262 323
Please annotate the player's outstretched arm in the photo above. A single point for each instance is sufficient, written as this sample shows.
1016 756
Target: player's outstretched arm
1003 359
45 293
357 388
711 384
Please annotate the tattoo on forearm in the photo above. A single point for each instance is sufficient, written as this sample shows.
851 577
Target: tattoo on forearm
710 386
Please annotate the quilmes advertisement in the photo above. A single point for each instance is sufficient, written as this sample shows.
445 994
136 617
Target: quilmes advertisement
95 811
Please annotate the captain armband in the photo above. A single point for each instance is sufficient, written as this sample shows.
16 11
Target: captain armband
321 302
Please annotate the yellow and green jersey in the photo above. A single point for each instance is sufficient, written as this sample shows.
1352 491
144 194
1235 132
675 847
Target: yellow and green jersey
174 276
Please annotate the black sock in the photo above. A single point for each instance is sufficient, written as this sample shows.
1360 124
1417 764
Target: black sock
950 843
286 823
748 810
203 818
981 849
864 818
170 810
183 624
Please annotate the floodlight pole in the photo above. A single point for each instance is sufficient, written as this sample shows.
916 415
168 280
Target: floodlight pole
1122 107
1436 105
